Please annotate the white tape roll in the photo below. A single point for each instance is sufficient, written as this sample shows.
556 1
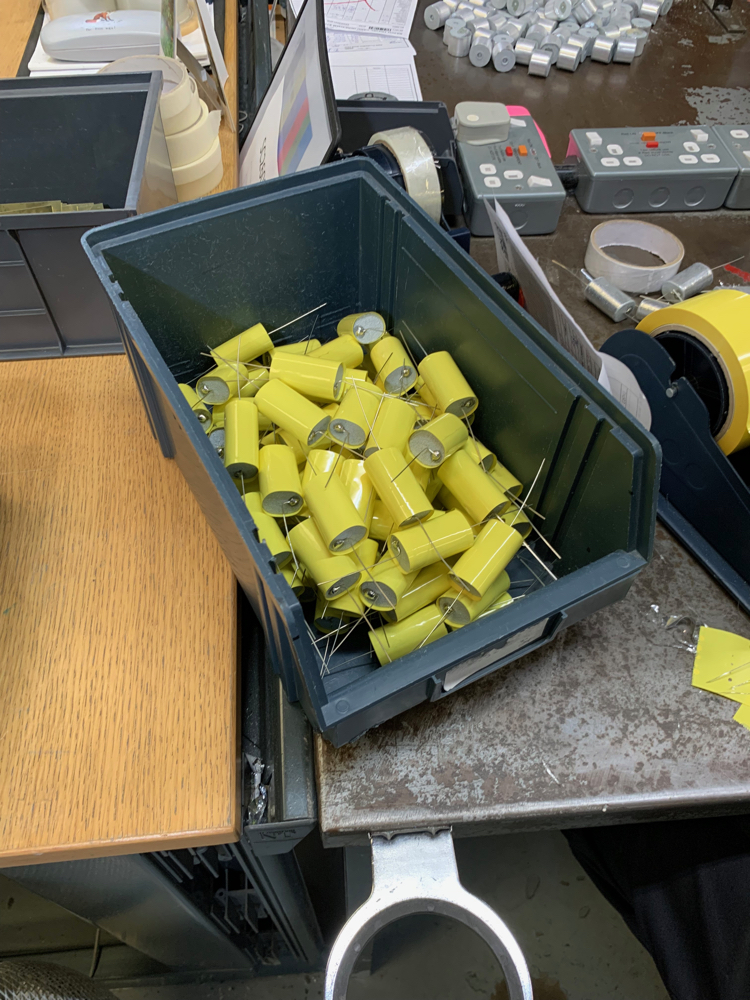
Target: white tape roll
193 143
414 157
644 236
196 179
180 105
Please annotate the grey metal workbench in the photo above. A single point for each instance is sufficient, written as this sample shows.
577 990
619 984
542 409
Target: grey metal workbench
602 725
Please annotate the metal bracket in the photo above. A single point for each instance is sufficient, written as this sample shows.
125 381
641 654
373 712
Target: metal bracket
417 873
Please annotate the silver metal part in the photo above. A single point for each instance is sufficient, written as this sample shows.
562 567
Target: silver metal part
579 42
603 50
417 873
640 38
584 11
665 7
589 35
518 7
547 24
551 45
612 31
524 47
536 34
650 10
514 28
459 42
496 21
503 57
450 24
558 10
608 298
642 24
569 58
558 38
540 63
480 52
646 306
625 50
437 14
497 4
688 283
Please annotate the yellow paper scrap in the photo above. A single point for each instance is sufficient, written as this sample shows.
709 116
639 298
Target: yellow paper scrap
722 664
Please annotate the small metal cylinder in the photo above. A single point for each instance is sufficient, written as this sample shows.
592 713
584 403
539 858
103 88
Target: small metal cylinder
625 50
579 42
640 38
589 35
600 20
496 21
608 299
569 57
481 17
558 38
497 4
665 7
547 24
536 34
687 283
650 10
437 14
480 52
397 487
524 48
506 40
584 10
514 29
642 24
552 46
568 27
647 306
517 7
451 24
503 57
612 32
540 63
558 10
603 50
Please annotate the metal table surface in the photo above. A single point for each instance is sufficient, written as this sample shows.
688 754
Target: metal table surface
601 725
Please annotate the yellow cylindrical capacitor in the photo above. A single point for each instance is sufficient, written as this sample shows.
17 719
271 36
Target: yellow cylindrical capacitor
292 412
427 397
422 475
334 575
474 488
268 530
307 544
480 454
358 375
433 487
315 378
217 416
359 487
501 602
196 404
445 534
446 384
425 588
298 347
344 349
394 422
319 463
397 487
277 436
353 420
391 641
518 520
366 554
423 413
222 382
246 346
300 582
366 328
506 480
438 440
460 609
336 517
382 585
241 438
256 377
280 486
381 526
394 370
330 616
493 549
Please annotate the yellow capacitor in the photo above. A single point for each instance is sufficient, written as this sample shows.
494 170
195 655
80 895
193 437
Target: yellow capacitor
300 582
424 393
241 438
256 377
474 489
277 436
344 349
460 609
518 520
394 370
381 526
307 543
382 585
279 481
438 440
501 602
397 487
335 515
355 416
246 346
493 549
506 480
480 454
423 413
359 487
366 554
222 382
423 476
445 534
217 416
316 378
330 616
391 641
319 463
299 347
334 575
425 588
366 328
448 387
292 412
268 530
720 321
197 405
358 375
394 422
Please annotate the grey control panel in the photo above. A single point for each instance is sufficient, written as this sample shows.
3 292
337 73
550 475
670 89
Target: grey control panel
677 169
519 174
737 140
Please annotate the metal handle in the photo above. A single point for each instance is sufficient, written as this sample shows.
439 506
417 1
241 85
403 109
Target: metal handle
417 873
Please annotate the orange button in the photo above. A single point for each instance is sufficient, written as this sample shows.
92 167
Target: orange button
523 151
652 145
648 136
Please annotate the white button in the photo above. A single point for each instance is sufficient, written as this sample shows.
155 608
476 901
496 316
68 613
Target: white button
746 154
691 147
610 161
513 175
614 149
739 133
517 122
711 158
492 182
699 135
539 182
688 158
594 138
633 161
487 168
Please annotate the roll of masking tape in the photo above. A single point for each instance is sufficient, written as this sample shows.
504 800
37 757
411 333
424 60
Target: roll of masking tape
193 180
720 321
643 236
417 164
193 143
179 104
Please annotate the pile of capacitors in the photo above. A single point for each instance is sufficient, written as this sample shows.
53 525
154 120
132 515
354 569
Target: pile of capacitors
545 33
365 481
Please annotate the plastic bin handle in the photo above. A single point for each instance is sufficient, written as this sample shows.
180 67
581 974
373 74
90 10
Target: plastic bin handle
417 873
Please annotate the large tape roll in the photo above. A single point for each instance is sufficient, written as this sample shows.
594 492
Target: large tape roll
720 321
420 174
193 143
644 236
179 104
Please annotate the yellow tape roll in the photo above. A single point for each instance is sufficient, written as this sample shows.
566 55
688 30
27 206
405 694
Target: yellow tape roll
721 321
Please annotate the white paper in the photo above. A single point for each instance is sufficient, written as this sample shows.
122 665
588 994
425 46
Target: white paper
351 41
398 79
380 17
624 387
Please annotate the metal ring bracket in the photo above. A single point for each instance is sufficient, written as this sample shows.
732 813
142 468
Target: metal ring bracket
417 873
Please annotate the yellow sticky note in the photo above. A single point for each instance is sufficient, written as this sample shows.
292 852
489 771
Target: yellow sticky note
742 715
722 664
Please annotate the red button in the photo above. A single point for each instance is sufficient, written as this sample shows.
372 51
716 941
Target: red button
509 151
652 145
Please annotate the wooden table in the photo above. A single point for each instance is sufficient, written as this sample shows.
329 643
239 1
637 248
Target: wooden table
118 635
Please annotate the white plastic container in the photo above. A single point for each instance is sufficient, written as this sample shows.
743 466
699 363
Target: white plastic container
102 37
